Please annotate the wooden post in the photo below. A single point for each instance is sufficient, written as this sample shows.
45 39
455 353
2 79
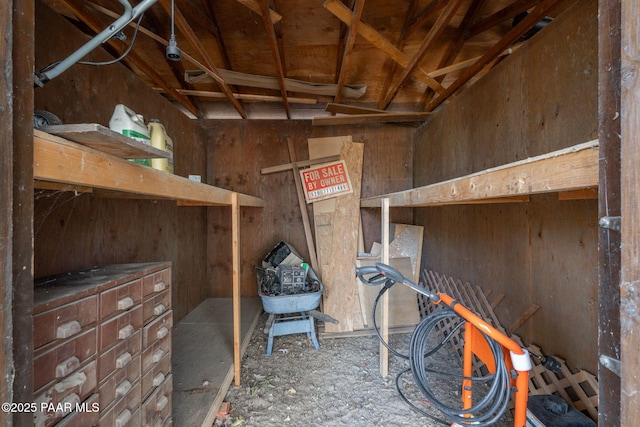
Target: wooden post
235 249
384 320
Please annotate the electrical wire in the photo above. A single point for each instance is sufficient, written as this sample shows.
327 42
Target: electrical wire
124 54
490 407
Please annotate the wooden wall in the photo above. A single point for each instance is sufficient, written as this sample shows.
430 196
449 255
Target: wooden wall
541 98
239 149
77 231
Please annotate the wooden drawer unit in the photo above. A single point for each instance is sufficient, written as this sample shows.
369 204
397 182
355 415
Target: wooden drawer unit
120 299
64 321
157 329
118 356
60 399
120 383
123 412
156 409
65 358
119 328
155 352
97 334
156 376
156 282
156 305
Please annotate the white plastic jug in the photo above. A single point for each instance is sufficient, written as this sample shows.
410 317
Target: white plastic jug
127 122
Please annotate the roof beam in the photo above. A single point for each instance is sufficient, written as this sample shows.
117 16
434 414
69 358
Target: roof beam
208 21
502 15
511 37
370 118
423 16
455 46
194 41
254 5
271 33
341 12
351 39
433 34
80 10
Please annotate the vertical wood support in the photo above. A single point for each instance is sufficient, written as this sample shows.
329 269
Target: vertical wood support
630 212
609 206
384 321
235 249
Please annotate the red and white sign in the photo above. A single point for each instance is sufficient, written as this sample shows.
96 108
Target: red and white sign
325 181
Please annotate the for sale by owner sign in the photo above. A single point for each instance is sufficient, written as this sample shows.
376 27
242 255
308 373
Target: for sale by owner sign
326 181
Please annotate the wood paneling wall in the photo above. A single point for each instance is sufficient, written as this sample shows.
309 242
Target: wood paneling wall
78 231
238 150
541 98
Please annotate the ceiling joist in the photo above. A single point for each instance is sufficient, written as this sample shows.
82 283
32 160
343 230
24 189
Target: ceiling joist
254 5
273 41
341 12
194 41
351 39
500 16
509 39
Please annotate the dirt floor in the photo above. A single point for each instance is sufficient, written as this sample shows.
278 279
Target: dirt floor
338 385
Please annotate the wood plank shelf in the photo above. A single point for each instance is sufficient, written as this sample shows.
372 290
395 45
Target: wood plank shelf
61 161
569 169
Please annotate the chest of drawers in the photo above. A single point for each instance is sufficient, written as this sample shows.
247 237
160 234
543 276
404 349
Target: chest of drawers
102 347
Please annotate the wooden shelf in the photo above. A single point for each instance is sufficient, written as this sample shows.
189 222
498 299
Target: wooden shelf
58 160
569 169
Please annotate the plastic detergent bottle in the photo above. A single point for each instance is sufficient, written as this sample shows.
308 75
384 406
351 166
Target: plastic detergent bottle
160 140
125 121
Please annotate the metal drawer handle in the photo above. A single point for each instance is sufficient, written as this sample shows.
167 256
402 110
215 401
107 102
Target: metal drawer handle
126 332
160 286
125 303
123 388
123 360
66 366
158 355
157 380
159 309
162 332
123 418
162 402
68 329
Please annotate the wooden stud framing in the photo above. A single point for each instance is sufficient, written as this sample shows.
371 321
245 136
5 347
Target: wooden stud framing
235 249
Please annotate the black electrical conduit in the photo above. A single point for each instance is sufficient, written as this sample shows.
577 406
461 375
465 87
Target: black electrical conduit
484 413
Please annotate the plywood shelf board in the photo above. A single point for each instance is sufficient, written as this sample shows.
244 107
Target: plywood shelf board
62 161
568 169
104 139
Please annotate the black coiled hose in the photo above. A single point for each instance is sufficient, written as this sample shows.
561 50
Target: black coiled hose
484 413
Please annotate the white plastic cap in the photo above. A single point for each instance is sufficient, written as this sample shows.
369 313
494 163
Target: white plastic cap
521 362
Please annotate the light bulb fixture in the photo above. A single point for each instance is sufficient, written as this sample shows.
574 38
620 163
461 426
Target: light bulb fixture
173 52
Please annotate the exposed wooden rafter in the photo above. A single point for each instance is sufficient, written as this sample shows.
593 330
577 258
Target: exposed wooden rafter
81 11
422 17
273 41
500 16
195 42
511 37
207 21
247 97
366 31
356 119
438 27
351 39
455 46
254 5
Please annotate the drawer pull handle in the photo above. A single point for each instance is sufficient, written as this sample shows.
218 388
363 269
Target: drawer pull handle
157 380
162 332
159 309
158 355
162 402
123 418
123 388
126 332
68 329
66 366
125 303
67 405
160 286
75 380
123 360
